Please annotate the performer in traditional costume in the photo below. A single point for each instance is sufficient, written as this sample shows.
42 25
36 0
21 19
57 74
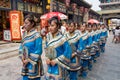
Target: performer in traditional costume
30 51
73 39
104 36
96 41
89 45
58 52
85 56
99 39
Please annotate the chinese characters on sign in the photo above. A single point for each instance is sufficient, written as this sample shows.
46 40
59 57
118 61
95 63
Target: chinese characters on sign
6 35
15 25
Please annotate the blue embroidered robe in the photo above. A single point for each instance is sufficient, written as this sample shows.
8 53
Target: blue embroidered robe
31 49
59 50
73 40
83 41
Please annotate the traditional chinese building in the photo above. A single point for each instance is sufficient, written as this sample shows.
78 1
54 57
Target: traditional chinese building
5 7
74 9
94 15
23 6
110 9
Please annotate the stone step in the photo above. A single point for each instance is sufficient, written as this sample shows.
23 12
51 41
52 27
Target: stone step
8 54
7 50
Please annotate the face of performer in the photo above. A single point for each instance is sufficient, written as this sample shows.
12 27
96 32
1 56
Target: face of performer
28 25
71 28
53 27
94 27
102 26
98 27
89 28
82 28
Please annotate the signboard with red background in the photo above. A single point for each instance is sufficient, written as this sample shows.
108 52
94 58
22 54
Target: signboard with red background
15 25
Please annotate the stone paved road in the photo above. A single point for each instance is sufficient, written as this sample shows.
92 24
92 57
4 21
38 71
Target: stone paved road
106 68
108 64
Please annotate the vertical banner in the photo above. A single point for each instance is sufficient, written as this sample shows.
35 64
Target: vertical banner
15 25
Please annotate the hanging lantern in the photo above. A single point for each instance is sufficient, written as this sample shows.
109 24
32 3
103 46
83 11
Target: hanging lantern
81 9
67 3
48 7
85 10
74 5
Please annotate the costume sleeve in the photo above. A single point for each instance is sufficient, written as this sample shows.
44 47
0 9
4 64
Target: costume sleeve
89 40
64 59
80 45
67 53
96 37
38 48
20 51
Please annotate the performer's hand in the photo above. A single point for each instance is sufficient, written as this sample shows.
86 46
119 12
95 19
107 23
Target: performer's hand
73 54
25 62
48 61
53 62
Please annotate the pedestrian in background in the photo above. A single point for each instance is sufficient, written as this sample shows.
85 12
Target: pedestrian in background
117 34
113 31
30 50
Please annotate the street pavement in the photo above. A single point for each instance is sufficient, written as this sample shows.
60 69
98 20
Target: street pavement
7 49
107 66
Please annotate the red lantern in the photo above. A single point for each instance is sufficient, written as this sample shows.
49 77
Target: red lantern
74 5
81 9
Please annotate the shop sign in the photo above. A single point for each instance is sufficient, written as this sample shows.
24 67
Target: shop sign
6 35
5 4
32 1
39 10
34 8
15 25
76 11
29 7
86 10
62 7
74 6
20 6
81 9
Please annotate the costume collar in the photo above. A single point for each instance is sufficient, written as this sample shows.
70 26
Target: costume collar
32 30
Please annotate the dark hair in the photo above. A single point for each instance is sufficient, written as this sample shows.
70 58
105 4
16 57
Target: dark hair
31 18
56 20
94 24
78 25
71 22
89 25
84 24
